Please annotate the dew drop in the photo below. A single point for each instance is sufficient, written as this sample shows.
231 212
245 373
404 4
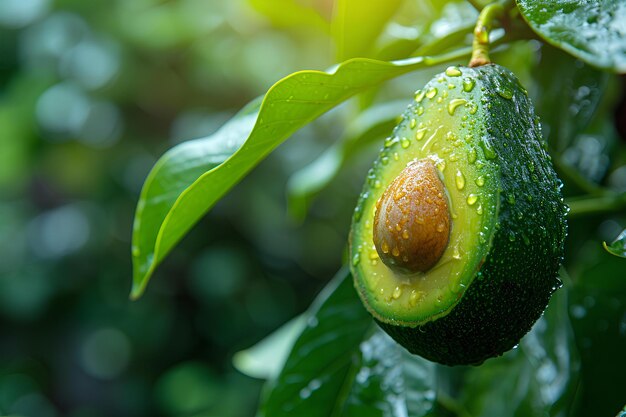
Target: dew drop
479 209
397 292
405 143
471 155
505 93
490 153
389 142
419 110
405 234
512 236
456 254
419 96
472 199
452 106
480 181
396 156
439 100
385 247
377 184
510 198
460 180
440 227
413 123
453 71
395 251
419 135
356 259
468 84
432 92
373 254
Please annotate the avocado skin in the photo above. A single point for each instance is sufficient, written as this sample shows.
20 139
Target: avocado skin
514 283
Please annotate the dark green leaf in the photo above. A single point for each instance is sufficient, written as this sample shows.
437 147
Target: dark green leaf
188 180
391 382
598 313
567 96
537 378
592 30
321 365
618 247
357 26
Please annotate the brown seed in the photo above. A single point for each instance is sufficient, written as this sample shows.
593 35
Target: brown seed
423 213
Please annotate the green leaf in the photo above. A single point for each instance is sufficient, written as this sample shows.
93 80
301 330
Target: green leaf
189 179
538 378
321 365
356 26
567 102
591 30
265 359
598 313
618 247
368 126
390 381
290 13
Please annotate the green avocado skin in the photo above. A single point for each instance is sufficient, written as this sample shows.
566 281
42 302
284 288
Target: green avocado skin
513 285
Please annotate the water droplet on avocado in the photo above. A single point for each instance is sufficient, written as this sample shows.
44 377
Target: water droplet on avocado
505 93
432 92
420 133
419 96
405 143
512 236
479 209
453 71
452 106
356 259
419 110
472 199
389 142
397 292
460 180
468 84
510 198
413 123
471 155
377 184
480 181
490 153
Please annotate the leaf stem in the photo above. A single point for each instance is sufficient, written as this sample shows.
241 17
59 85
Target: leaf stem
590 205
484 24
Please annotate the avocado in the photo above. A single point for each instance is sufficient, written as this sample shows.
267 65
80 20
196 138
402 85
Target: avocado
458 234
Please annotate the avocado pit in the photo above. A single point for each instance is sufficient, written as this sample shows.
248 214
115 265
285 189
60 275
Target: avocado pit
412 220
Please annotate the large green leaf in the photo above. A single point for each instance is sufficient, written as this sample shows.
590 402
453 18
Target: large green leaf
598 313
321 366
390 382
566 102
537 378
189 179
592 30
356 26
338 367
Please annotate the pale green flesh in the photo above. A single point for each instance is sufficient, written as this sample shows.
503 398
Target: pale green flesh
451 142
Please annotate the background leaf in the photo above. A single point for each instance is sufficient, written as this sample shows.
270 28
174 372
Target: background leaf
356 26
370 125
591 30
290 104
321 365
618 247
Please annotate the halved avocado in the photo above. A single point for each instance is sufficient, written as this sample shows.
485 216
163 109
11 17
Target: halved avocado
503 245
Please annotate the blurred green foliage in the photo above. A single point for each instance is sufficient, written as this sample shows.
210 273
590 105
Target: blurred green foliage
91 93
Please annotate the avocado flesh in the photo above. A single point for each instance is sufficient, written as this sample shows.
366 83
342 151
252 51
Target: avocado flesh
500 267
